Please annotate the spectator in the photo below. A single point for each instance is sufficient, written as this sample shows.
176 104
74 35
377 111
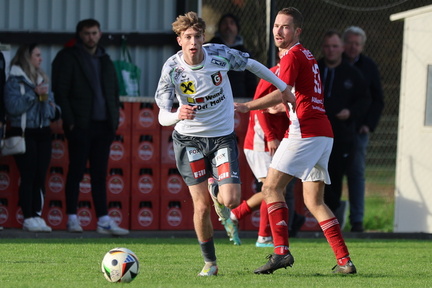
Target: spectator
345 99
204 142
305 150
86 88
243 83
25 92
354 40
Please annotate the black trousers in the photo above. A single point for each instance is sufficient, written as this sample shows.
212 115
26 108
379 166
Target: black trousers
93 146
339 158
33 166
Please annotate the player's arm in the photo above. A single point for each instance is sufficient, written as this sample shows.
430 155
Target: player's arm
271 99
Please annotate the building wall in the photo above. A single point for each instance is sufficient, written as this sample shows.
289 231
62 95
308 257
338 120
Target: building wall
413 194
115 16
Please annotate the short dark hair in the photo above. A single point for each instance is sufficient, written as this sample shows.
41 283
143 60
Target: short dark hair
85 24
232 16
295 14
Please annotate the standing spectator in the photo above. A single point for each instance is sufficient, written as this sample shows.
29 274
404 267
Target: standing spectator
25 92
346 99
243 83
85 86
205 145
355 39
305 150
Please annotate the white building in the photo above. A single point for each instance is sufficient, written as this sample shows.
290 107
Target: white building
413 194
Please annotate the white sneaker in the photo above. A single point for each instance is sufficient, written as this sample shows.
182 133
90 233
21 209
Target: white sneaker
43 226
74 226
31 225
110 227
209 269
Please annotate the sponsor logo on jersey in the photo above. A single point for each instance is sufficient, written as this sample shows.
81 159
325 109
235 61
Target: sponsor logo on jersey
217 78
187 87
308 54
218 62
198 100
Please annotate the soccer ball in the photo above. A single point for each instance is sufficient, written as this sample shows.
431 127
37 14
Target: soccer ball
120 265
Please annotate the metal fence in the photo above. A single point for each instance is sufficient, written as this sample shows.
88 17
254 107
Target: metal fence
384 45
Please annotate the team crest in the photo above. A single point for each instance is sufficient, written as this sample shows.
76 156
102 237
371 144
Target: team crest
187 87
217 78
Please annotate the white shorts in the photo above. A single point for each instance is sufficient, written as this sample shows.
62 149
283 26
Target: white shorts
304 158
259 162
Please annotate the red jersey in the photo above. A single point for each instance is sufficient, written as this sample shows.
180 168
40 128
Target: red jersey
299 69
264 127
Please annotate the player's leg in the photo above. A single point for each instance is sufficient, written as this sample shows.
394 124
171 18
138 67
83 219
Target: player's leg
203 227
313 194
273 191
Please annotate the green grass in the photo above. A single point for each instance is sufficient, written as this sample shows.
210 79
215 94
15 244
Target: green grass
379 199
176 262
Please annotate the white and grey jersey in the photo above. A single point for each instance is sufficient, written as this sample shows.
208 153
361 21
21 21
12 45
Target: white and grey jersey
206 86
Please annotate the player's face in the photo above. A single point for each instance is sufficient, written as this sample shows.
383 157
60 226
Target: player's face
332 49
353 45
90 37
191 42
284 33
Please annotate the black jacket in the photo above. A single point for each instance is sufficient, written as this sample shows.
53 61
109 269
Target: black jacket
347 90
372 76
73 92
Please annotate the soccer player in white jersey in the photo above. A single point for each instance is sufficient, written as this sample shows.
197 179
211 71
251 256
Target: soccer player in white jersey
205 145
305 150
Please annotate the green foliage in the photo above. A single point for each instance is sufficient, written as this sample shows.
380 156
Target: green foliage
176 262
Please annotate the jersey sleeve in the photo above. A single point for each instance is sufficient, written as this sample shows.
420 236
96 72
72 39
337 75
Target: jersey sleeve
165 94
236 58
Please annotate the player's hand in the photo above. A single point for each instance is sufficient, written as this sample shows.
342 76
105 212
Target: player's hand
187 112
241 107
344 114
272 146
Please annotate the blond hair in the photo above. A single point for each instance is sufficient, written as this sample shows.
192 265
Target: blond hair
189 20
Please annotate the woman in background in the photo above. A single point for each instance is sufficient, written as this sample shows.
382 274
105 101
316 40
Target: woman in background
26 91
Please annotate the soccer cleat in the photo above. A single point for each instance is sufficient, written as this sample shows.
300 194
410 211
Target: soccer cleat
42 224
231 227
264 244
275 262
110 227
74 226
221 210
209 269
348 268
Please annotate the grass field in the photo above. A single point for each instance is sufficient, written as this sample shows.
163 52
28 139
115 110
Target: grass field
379 199
176 262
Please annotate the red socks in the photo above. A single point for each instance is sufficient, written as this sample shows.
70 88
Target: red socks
242 210
278 217
264 226
333 234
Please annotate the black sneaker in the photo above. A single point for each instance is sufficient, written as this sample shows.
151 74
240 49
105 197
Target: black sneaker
348 268
275 262
357 227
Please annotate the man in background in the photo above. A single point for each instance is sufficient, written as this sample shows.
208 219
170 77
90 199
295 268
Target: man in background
354 40
85 87
243 83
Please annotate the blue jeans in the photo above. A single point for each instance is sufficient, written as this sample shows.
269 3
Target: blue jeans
356 179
